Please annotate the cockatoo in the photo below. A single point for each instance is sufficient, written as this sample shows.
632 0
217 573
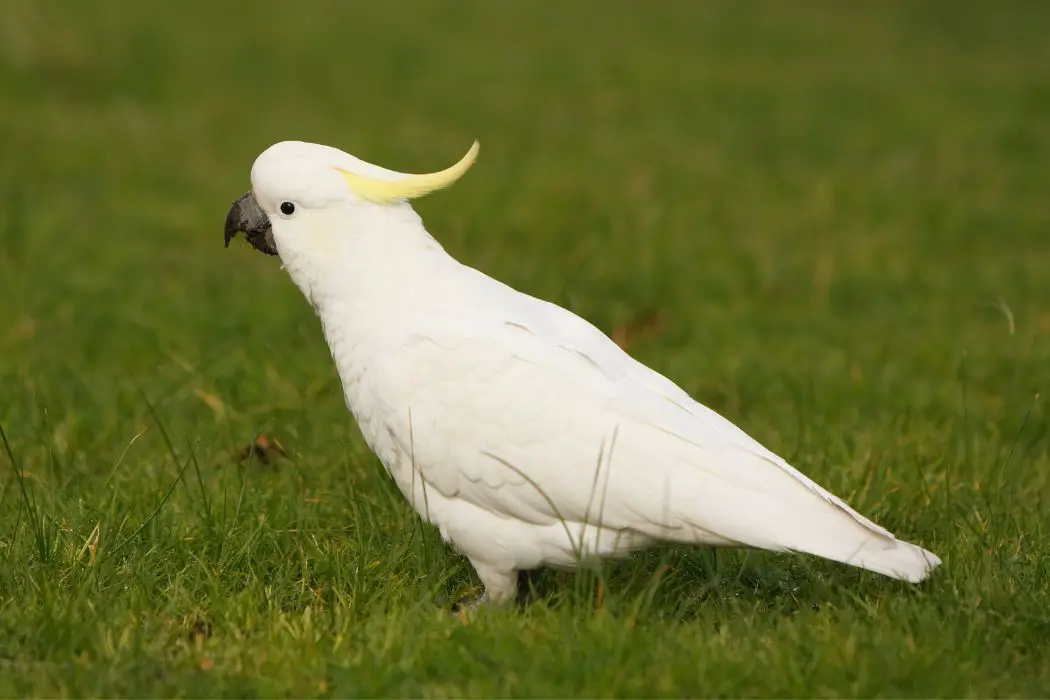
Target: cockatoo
517 428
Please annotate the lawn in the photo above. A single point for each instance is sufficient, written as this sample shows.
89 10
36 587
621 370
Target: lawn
827 221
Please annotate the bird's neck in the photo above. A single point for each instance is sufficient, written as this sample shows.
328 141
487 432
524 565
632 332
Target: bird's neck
368 283
366 265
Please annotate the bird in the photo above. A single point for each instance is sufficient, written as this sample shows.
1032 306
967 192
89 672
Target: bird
518 429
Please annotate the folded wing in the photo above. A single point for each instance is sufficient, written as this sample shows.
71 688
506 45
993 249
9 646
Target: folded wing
532 413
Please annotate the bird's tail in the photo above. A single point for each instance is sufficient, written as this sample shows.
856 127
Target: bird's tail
884 555
807 523
829 528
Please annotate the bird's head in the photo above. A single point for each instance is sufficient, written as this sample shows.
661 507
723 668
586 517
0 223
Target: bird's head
305 197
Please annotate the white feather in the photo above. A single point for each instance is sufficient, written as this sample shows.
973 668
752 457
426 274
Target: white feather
520 430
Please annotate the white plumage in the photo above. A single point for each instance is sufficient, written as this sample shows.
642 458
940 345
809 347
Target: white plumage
522 432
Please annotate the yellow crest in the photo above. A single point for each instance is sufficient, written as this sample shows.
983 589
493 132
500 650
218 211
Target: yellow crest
408 186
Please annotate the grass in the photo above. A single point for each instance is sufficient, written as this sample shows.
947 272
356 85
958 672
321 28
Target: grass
837 212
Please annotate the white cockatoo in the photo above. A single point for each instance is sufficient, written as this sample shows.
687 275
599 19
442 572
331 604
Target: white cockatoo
518 429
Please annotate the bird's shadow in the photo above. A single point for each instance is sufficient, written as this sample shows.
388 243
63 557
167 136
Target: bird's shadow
684 584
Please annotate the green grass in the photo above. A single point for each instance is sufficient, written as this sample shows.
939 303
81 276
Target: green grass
840 212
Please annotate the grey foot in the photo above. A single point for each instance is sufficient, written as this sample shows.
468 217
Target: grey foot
471 604
523 595
465 603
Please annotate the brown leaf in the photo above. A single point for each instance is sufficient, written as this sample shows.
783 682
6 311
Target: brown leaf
647 324
262 448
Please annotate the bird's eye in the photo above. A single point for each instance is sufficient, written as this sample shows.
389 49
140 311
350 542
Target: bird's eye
287 208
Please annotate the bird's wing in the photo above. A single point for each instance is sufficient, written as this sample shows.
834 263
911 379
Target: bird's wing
527 410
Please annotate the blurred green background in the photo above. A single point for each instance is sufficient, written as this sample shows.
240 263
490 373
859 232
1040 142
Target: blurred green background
826 220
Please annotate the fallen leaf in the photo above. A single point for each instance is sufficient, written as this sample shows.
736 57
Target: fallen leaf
262 448
649 323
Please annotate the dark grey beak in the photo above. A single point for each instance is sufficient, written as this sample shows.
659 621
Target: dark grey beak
248 218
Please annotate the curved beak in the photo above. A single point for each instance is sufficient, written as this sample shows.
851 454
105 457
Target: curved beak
247 217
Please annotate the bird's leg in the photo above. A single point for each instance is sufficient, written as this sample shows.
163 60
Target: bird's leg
500 587
522 597
525 587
